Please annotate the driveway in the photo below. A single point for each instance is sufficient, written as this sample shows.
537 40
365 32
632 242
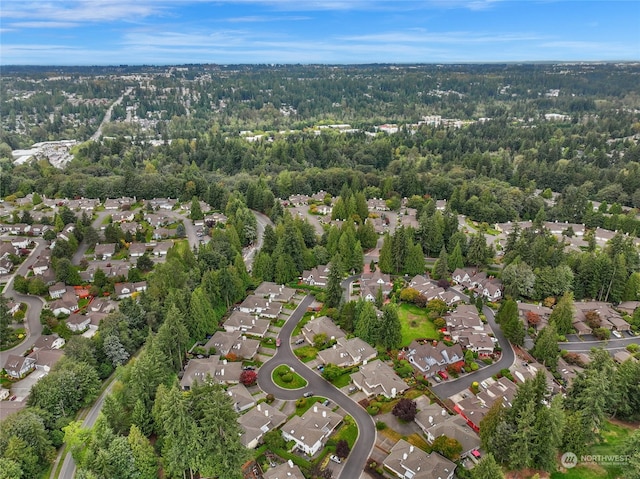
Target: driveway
355 463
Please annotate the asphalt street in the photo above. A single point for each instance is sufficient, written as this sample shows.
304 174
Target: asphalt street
452 386
355 463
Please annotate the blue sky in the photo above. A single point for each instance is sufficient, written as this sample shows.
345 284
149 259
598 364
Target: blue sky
108 32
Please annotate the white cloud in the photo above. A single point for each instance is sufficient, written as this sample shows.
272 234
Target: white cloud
44 24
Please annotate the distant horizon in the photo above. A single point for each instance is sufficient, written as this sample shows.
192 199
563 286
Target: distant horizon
271 64
336 32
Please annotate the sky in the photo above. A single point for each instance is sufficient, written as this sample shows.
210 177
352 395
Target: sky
134 32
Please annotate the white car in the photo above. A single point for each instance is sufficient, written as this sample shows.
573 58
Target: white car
335 459
616 334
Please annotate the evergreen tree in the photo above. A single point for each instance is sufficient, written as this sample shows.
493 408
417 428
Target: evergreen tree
562 315
455 260
367 323
479 253
441 266
414 263
390 327
546 349
487 468
510 322
334 286
385 263
196 212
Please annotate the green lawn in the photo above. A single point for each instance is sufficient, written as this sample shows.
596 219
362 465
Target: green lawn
297 381
415 324
306 353
614 435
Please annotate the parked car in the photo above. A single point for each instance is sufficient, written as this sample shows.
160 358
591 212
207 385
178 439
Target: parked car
308 394
326 402
616 334
437 378
443 375
278 343
300 341
335 459
352 389
320 367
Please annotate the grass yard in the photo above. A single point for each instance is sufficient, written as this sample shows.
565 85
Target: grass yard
342 380
614 435
306 353
282 373
348 432
415 324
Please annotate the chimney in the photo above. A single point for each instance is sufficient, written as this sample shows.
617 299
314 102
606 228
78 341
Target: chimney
290 462
315 408
410 449
224 361
266 413
404 456
222 372
259 407
324 413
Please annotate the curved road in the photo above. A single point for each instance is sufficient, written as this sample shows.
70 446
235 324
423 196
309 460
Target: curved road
448 388
107 116
361 451
34 305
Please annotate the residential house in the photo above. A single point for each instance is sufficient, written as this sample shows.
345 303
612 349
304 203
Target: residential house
321 325
376 378
478 343
526 310
104 251
502 389
102 305
19 366
377 280
161 249
40 266
49 341
46 359
67 304
214 219
212 369
122 216
78 322
455 427
241 397
20 242
259 421
430 415
137 249
275 292
67 232
126 290
254 304
377 204
286 470
130 227
429 358
628 307
298 200
609 317
5 266
233 343
622 356
311 430
162 233
317 276
492 289
348 352
409 462
246 324
57 290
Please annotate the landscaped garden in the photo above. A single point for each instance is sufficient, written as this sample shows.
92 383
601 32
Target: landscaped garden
416 324
287 379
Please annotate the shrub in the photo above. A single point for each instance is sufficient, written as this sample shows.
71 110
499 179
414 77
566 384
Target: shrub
474 366
381 425
405 409
287 377
301 402
373 410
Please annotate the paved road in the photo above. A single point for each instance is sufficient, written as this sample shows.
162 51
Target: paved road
68 469
83 246
451 387
361 451
262 221
107 116
586 346
34 305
